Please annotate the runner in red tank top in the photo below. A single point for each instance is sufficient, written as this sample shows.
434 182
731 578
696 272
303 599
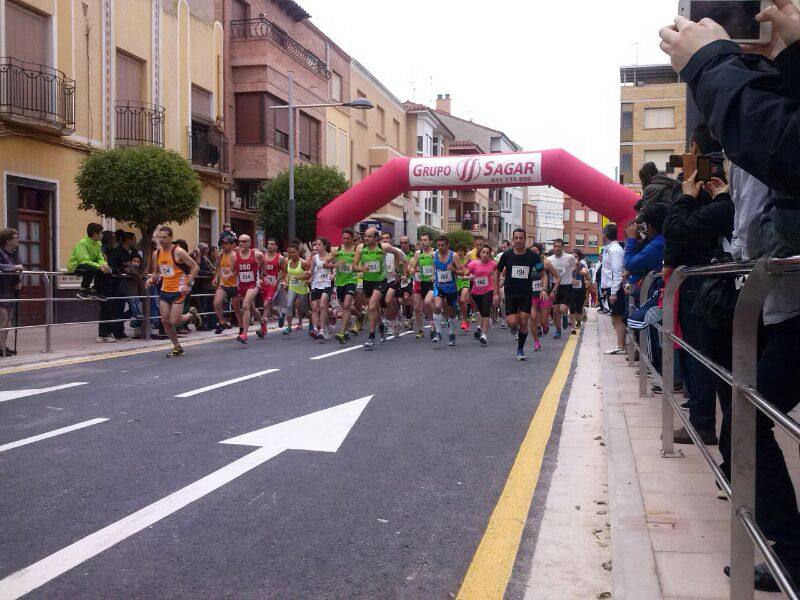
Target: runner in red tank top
272 271
247 267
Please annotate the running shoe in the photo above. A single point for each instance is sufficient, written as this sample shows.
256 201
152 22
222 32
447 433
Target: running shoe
346 336
298 327
452 341
477 334
536 346
432 331
326 335
197 320
464 326
262 332
482 339
176 351
281 320
242 337
557 334
370 343
354 330
313 334
574 331
85 295
220 328
437 337
521 355
420 335
287 330
340 337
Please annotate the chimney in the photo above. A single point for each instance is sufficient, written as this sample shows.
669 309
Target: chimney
443 103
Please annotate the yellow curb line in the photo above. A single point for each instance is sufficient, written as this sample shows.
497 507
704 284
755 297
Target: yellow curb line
490 570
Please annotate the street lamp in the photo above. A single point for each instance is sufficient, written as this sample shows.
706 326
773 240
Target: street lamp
360 103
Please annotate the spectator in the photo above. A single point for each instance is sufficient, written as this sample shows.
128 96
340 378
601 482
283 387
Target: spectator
108 243
644 248
204 287
126 263
611 284
656 186
10 285
88 261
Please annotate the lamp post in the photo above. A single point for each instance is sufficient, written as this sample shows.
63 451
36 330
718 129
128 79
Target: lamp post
361 103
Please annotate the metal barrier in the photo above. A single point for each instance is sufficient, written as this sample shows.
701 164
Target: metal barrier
49 299
745 533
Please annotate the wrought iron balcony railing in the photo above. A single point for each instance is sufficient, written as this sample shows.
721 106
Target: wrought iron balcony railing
34 93
208 147
139 123
264 28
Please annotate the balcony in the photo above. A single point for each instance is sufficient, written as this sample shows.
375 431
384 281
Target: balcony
36 96
208 149
262 28
139 124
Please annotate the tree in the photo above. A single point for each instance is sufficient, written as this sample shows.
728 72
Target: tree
432 231
460 237
145 186
314 186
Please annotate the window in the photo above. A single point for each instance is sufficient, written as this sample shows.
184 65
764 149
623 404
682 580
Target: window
593 239
566 214
343 155
363 116
381 120
27 35
247 190
438 146
420 146
130 78
239 10
593 217
336 86
452 215
659 157
579 239
659 118
396 130
309 137
205 218
249 119
565 237
626 123
626 164
201 104
580 215
362 172
331 139
277 123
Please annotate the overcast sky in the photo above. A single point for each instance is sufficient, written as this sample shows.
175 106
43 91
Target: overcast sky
546 72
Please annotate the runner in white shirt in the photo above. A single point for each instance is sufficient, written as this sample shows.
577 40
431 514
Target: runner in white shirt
321 289
564 265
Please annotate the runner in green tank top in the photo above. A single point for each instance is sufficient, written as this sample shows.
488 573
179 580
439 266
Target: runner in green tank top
463 290
370 260
345 281
423 269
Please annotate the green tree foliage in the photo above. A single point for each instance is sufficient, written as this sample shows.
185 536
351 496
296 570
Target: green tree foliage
460 237
145 186
314 187
434 233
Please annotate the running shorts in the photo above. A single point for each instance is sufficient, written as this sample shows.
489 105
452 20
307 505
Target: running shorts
518 304
563 294
620 307
484 303
316 293
242 289
577 300
541 300
268 291
372 286
343 291
230 292
171 297
450 298
394 285
408 288
423 287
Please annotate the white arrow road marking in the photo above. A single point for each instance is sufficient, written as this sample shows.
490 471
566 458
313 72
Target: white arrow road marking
14 394
351 348
224 383
321 431
49 434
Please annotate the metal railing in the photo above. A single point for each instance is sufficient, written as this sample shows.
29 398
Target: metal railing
264 28
147 318
37 92
746 400
208 148
139 123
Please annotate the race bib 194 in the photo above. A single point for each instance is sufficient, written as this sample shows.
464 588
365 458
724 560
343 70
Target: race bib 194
520 272
536 286
444 276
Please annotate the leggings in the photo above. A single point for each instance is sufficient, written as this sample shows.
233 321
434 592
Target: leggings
291 296
483 302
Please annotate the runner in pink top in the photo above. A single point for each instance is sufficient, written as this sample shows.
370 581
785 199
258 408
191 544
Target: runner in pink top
481 272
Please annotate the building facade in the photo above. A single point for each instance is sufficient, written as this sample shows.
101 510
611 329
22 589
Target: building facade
583 228
99 74
266 40
652 119
549 205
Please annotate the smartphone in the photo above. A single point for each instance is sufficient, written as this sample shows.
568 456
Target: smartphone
737 17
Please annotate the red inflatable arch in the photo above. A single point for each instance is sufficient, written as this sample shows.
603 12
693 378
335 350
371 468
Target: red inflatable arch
547 167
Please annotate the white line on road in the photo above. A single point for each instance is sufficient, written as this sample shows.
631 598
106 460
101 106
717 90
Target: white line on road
49 434
224 383
349 348
14 394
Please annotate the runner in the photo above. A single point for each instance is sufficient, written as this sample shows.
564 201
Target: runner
478 244
321 289
225 282
168 263
407 284
272 270
448 266
297 275
540 308
564 265
392 289
518 263
481 271
370 259
422 268
463 290
345 281
247 267
580 283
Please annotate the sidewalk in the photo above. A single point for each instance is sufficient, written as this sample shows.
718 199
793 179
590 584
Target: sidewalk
669 531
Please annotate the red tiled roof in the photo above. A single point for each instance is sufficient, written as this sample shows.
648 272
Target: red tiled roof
414 106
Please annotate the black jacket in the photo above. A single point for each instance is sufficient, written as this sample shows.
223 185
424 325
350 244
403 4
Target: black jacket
658 190
8 260
694 226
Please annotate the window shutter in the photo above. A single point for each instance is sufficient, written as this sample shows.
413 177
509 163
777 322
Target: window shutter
249 115
27 35
130 78
201 103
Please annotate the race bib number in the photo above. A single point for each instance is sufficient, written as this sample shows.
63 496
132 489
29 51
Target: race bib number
372 266
325 277
247 277
166 270
295 282
404 282
271 280
444 276
427 270
417 277
536 286
577 283
345 269
481 281
520 272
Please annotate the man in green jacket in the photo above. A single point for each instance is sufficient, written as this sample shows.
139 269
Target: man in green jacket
88 261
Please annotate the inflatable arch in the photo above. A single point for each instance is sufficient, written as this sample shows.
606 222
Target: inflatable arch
547 167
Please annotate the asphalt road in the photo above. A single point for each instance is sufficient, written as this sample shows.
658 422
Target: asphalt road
397 512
